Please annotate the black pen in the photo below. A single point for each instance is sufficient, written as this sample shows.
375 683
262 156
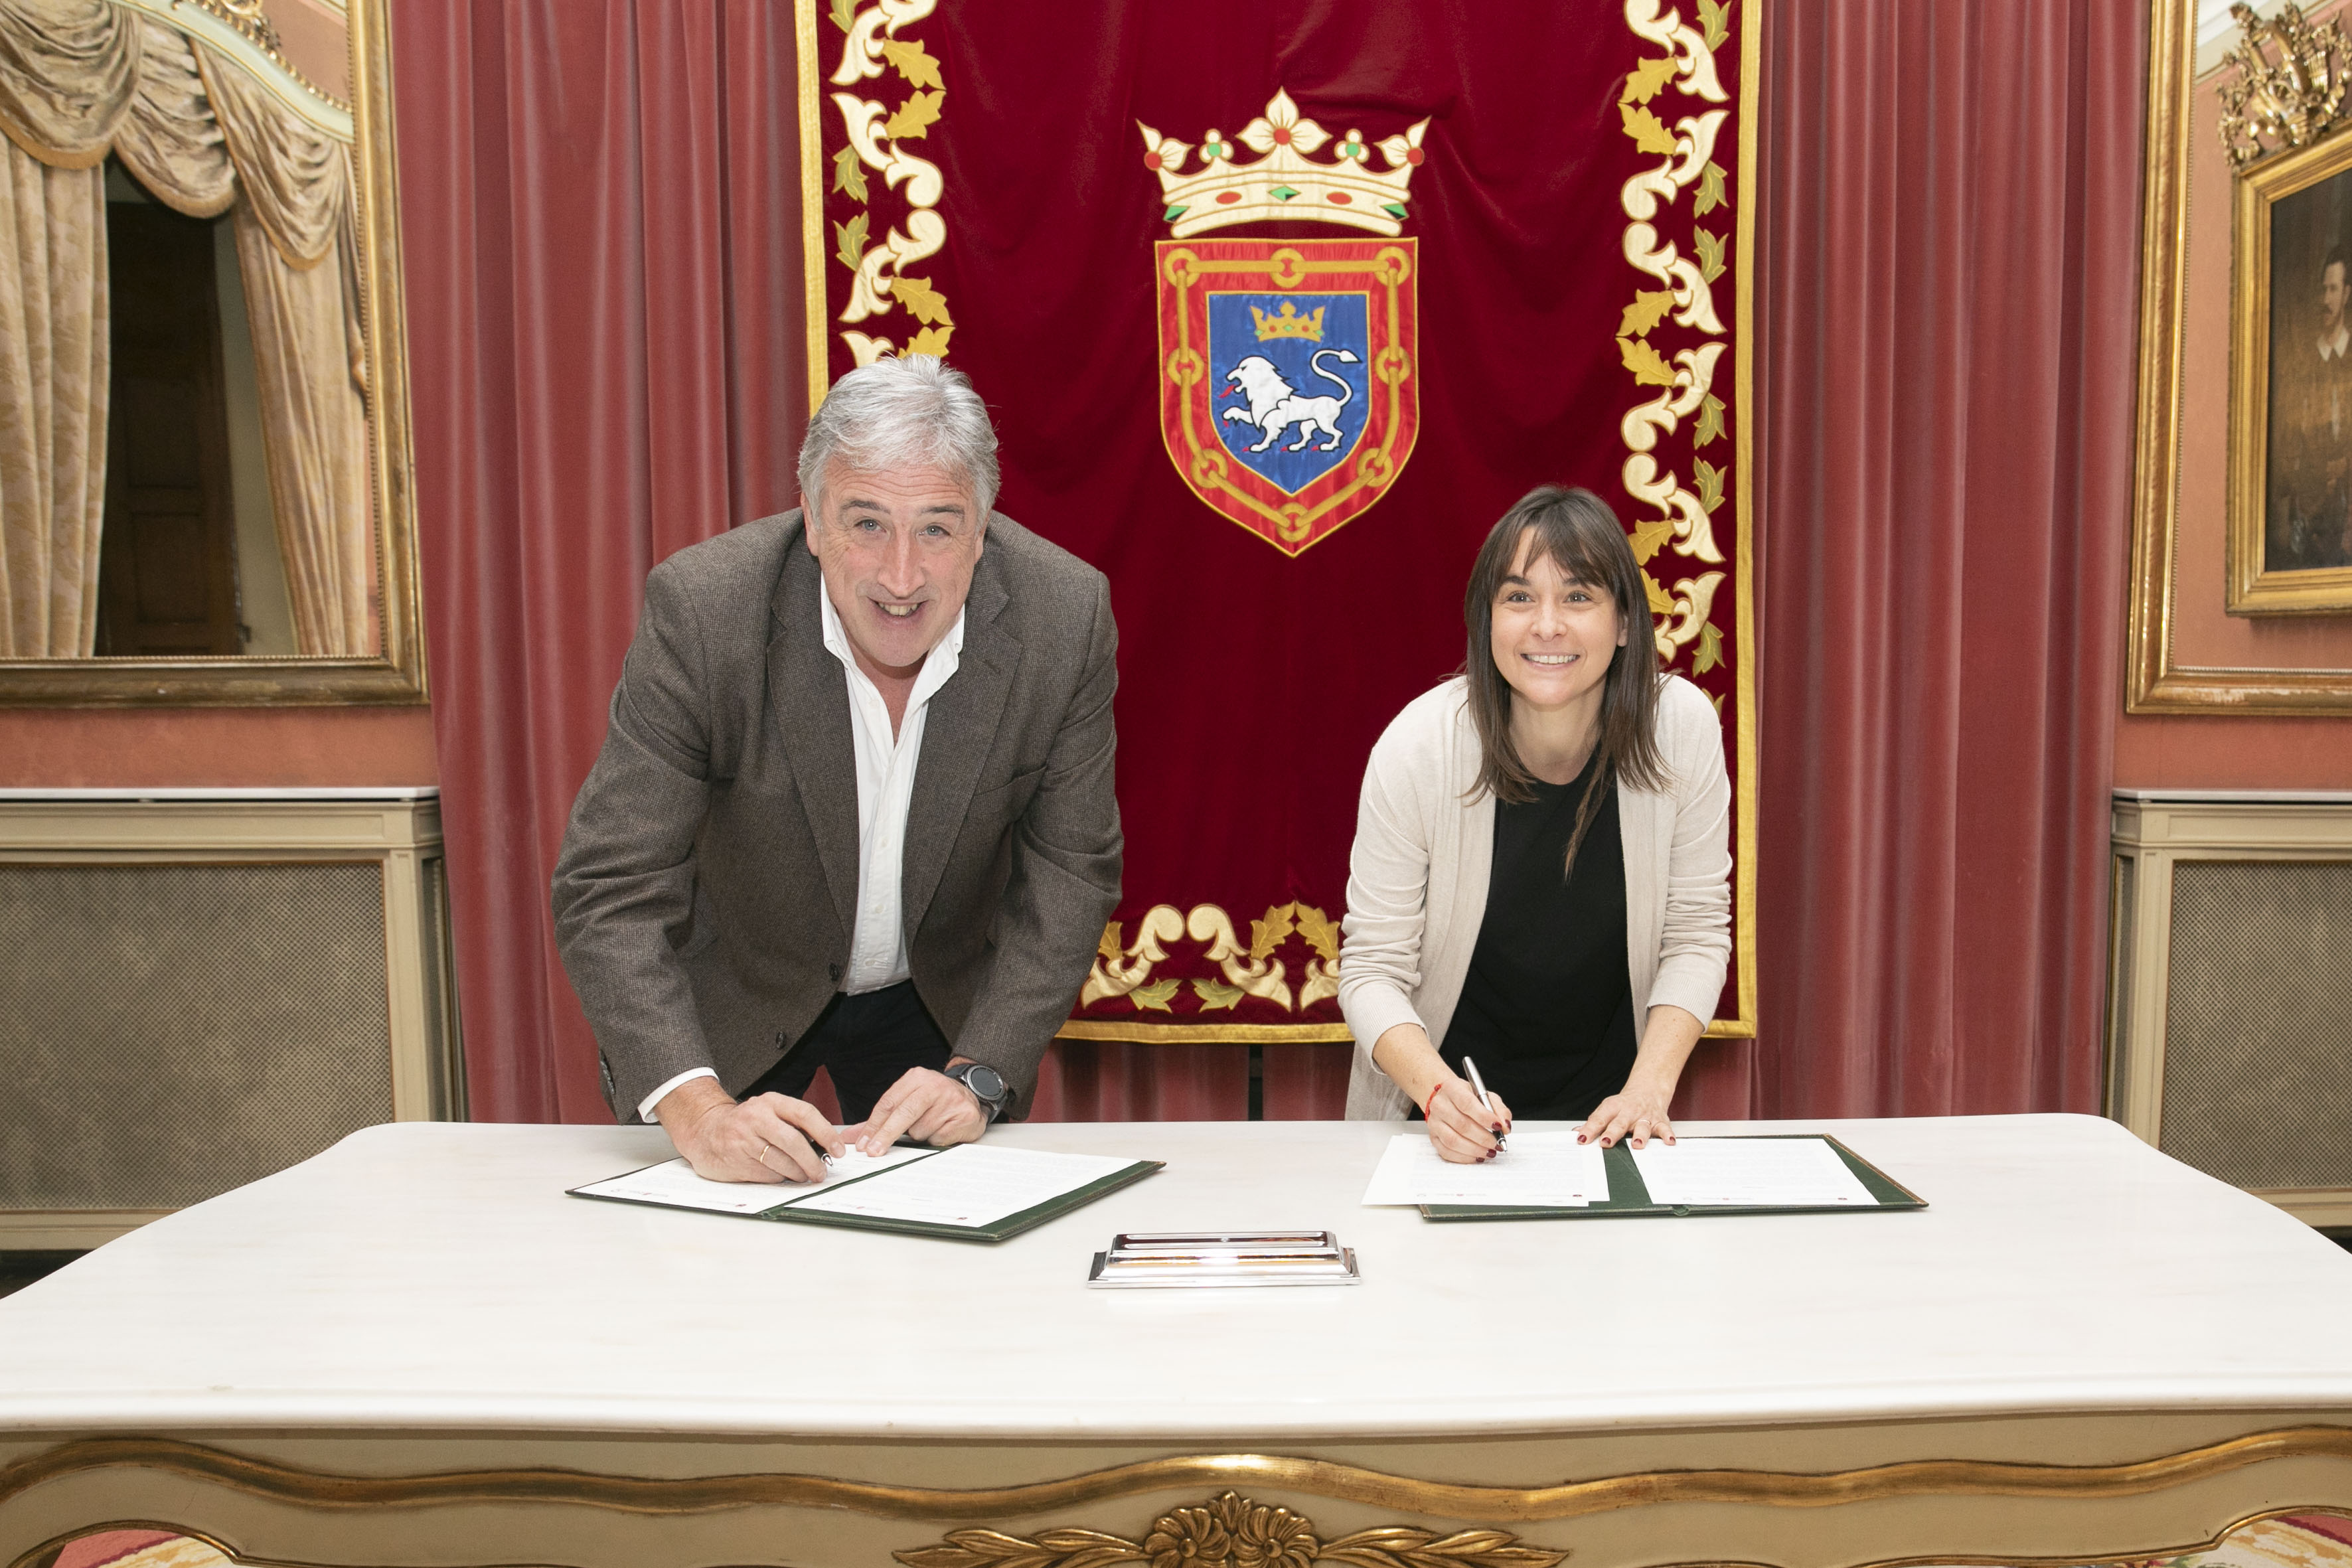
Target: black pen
1480 1085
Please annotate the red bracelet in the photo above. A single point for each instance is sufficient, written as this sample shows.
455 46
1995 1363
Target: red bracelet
1433 1099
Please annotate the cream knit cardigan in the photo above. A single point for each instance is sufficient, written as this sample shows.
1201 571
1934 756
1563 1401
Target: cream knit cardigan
1417 877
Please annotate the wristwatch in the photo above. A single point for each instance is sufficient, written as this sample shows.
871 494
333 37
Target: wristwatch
987 1086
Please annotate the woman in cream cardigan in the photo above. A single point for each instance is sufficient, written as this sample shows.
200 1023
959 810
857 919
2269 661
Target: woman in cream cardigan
1541 872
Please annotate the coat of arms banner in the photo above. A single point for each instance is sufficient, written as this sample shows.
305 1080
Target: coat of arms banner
1278 309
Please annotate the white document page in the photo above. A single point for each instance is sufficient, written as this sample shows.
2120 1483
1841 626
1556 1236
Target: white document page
674 1182
1548 1168
1773 1172
970 1185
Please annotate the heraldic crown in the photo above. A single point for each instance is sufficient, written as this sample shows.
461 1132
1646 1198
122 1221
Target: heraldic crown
1283 183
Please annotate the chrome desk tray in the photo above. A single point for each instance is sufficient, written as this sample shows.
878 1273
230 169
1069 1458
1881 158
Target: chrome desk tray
1221 1259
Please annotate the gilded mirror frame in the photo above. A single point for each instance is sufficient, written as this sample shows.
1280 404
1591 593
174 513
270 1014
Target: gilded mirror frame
2154 680
395 674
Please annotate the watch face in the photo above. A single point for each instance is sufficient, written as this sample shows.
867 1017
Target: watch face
985 1082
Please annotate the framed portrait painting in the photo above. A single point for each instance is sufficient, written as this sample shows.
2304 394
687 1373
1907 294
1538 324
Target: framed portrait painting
2290 403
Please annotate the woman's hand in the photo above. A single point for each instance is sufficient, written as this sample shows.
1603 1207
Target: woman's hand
1460 1129
1639 1109
1638 1112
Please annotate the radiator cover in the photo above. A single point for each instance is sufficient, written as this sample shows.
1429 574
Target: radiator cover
194 995
2230 1039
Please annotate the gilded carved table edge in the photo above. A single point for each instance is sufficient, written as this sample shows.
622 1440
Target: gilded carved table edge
1301 1476
1504 1555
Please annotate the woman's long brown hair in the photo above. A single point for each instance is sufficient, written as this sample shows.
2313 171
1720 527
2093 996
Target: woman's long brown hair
1576 529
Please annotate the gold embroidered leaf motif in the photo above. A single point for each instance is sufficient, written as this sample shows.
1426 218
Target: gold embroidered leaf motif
849 174
1319 931
845 11
1269 933
1710 649
915 116
1108 947
1648 537
1649 133
933 341
1660 602
1216 994
1156 995
1649 308
925 302
1709 480
852 236
1643 82
1710 421
913 61
1710 191
1711 254
1714 20
1649 367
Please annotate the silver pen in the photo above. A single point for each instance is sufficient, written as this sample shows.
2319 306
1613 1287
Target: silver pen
1479 1084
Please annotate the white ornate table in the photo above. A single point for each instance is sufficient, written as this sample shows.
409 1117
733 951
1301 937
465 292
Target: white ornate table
414 1350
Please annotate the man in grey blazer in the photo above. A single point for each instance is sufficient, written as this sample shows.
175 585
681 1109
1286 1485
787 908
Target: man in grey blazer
854 805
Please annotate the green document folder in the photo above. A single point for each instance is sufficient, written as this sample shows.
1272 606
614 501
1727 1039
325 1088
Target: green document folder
1011 1225
1629 1196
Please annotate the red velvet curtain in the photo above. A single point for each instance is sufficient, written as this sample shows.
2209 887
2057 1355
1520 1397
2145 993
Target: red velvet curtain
601 230
1948 288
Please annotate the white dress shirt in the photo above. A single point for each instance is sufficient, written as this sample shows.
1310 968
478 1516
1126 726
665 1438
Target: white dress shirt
886 790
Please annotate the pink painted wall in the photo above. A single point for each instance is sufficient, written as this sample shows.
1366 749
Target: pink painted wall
74 747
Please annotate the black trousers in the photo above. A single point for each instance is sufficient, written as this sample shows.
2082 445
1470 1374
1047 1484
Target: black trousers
866 1042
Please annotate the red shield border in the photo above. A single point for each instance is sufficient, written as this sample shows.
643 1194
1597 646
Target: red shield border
1186 269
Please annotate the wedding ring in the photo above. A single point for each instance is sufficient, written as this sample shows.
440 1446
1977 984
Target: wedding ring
763 1158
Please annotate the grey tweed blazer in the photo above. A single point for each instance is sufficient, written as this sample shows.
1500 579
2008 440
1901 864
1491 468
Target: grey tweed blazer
707 890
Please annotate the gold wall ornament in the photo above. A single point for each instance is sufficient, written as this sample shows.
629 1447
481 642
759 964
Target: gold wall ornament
2290 103
1231 1531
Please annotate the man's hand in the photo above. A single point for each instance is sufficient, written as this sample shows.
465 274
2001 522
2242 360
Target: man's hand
928 1106
772 1138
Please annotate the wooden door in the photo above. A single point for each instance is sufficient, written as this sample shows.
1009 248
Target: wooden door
167 557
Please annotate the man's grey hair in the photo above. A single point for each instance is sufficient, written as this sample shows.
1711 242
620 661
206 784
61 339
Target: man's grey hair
906 412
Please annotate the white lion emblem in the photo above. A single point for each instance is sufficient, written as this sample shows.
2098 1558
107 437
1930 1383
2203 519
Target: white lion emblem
1274 404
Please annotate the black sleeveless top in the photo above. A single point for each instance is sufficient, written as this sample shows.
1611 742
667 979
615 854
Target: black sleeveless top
1547 1009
